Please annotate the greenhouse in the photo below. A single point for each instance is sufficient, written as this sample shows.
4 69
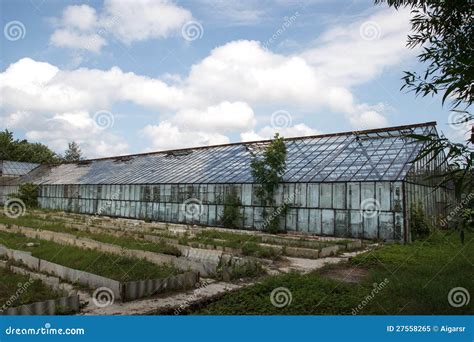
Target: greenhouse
359 184
15 169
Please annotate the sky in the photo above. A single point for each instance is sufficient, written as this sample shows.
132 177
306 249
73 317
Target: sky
123 76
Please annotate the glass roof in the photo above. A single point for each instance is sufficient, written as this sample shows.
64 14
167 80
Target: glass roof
373 155
13 168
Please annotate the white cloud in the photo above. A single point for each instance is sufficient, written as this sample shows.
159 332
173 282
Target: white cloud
58 90
56 130
38 86
166 136
244 71
82 17
128 21
78 29
365 116
74 40
139 20
355 53
222 117
250 136
268 132
368 119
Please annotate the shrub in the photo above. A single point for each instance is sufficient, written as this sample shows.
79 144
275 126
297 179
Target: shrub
467 219
28 193
419 225
231 216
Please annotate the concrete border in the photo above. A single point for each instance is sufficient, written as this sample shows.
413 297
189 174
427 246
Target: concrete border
146 288
121 290
61 305
71 275
205 268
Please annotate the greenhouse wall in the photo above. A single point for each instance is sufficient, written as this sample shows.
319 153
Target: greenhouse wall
357 209
426 188
434 201
6 190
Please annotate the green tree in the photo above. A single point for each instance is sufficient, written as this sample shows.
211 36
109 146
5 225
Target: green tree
445 31
28 193
231 216
24 151
73 152
267 171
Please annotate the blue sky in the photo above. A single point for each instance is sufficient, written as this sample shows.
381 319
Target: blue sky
123 76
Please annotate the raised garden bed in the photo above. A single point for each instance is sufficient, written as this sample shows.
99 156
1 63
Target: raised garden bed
104 264
136 234
17 289
124 290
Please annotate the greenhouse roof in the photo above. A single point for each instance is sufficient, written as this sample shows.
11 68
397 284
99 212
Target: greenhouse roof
15 169
372 155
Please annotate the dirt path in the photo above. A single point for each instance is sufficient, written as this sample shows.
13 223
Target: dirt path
175 302
307 265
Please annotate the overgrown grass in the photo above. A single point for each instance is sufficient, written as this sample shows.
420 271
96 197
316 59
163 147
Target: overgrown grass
125 242
247 270
418 277
17 290
249 244
104 264
255 250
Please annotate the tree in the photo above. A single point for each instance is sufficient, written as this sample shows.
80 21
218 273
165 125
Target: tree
24 151
268 171
445 32
231 216
73 152
28 193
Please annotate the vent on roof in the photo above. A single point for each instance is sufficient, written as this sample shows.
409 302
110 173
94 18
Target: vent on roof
123 159
178 153
383 135
83 162
255 147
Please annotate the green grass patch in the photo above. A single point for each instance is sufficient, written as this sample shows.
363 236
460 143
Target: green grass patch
125 242
250 244
93 261
16 290
418 279
255 250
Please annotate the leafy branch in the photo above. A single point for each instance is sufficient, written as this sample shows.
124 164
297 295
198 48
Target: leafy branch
267 172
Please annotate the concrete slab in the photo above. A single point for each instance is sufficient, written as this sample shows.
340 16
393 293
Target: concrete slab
163 302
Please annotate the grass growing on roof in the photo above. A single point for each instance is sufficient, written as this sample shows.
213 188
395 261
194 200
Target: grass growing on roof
419 278
93 261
